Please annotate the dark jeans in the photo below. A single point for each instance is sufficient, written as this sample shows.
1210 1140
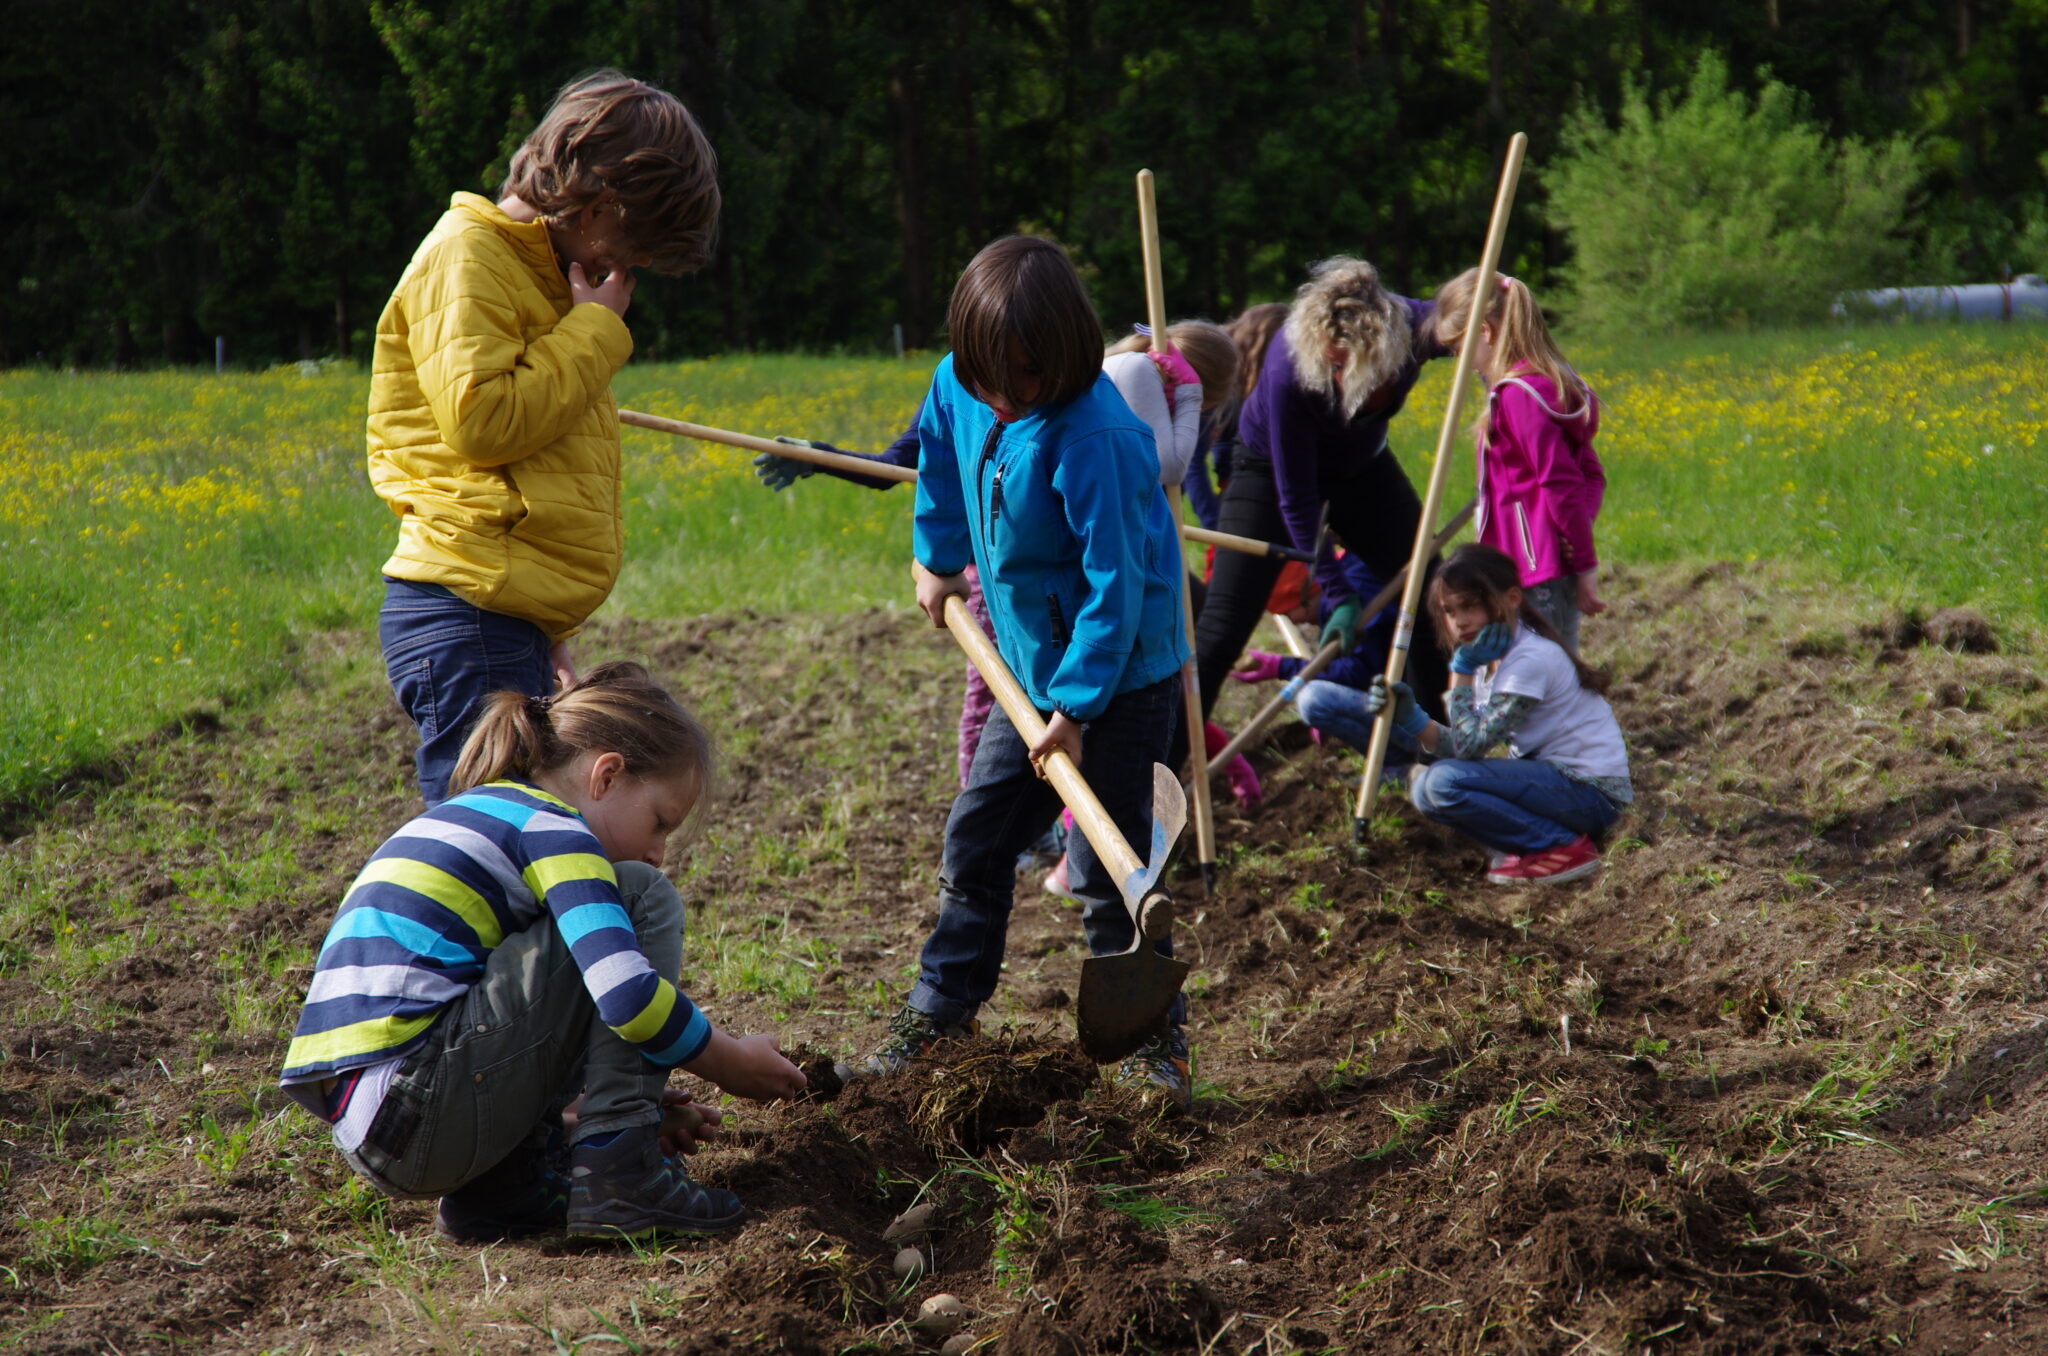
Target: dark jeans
499 1057
1373 514
1002 809
445 657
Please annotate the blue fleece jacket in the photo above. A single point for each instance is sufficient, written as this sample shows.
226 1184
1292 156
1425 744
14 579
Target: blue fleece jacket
1062 511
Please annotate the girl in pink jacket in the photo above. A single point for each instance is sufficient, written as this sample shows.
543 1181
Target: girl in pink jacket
1540 482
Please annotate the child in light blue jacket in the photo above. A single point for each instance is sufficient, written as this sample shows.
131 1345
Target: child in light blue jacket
1034 470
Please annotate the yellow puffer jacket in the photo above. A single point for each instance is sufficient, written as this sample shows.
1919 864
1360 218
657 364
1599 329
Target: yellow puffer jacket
493 433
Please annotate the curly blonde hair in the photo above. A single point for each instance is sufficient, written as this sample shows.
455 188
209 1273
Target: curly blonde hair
609 133
1343 303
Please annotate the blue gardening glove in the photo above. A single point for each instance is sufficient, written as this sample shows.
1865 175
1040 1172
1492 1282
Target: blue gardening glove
1409 721
1343 625
1475 654
779 473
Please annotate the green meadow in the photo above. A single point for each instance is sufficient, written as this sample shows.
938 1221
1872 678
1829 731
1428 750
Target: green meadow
173 538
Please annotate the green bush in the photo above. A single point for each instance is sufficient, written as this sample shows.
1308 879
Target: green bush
1711 209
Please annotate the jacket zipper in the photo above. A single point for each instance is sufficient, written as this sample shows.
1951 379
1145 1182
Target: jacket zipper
988 453
1059 619
1522 523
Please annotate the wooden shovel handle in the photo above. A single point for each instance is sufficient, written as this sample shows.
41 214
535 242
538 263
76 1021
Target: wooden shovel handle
1066 778
879 470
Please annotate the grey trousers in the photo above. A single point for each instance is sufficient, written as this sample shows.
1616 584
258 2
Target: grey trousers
500 1055
1557 601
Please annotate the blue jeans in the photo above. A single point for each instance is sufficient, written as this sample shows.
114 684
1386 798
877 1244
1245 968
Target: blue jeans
1517 805
444 658
1001 810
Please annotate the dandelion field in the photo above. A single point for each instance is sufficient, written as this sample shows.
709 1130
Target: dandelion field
169 537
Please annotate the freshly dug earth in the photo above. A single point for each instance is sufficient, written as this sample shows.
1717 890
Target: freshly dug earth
1772 1083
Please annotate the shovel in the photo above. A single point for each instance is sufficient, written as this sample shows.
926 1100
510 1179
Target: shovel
1124 998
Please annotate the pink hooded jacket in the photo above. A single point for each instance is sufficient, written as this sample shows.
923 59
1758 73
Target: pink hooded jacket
1540 482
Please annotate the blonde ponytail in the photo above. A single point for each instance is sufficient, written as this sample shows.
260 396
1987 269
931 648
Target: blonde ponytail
1520 339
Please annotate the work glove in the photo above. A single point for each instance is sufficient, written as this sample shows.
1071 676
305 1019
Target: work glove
1409 721
1475 654
1259 667
1343 625
779 473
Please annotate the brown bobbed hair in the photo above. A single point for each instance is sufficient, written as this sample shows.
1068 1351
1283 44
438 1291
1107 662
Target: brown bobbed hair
1208 349
1476 570
609 133
1021 296
616 708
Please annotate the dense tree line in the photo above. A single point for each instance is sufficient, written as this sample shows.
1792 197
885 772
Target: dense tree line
261 169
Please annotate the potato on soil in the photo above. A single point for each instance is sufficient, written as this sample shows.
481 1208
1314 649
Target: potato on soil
940 1316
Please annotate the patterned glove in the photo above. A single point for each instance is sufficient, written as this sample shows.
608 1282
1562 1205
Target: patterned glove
779 473
1409 721
1475 654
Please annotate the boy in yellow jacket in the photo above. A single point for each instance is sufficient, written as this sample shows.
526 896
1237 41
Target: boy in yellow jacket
492 430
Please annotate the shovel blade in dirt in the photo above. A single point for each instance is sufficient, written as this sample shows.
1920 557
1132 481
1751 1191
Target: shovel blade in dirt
1125 997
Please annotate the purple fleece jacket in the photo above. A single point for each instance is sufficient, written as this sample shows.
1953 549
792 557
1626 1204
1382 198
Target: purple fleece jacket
1308 440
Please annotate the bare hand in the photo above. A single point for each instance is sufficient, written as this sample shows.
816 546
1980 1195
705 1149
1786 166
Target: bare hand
934 589
687 1125
615 293
564 667
749 1066
1589 596
1060 733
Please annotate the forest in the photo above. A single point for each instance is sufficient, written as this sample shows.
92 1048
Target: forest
258 171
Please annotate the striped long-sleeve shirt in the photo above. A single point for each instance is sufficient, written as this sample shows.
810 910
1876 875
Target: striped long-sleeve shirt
416 927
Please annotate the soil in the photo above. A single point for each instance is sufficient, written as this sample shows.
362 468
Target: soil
1770 1083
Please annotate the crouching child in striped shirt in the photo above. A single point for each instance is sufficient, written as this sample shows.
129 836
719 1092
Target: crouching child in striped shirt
514 945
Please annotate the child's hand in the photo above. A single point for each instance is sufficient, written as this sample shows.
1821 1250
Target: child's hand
748 1066
1260 667
1475 654
615 293
1589 596
1060 733
563 667
934 589
1409 720
686 1125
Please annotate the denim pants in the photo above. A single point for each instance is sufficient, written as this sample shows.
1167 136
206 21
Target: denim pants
1557 602
1339 712
1002 810
1517 805
499 1056
445 657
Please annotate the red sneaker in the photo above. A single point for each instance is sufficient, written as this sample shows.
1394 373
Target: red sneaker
1498 866
1553 866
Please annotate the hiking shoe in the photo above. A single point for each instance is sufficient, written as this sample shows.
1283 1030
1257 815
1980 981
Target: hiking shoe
1158 1072
1553 866
518 1198
1055 883
911 1035
629 1188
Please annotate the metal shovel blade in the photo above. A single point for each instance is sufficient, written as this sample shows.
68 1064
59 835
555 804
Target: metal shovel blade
1124 998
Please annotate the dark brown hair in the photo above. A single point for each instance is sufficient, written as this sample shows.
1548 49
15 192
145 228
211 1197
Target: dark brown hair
1021 295
1476 570
609 133
616 708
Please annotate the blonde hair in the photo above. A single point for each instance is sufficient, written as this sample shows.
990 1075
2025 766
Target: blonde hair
1343 303
1520 338
1208 349
1253 333
609 133
616 708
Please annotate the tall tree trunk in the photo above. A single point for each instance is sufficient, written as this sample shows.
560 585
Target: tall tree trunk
911 221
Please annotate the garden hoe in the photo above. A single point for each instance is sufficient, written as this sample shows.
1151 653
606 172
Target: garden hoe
1124 998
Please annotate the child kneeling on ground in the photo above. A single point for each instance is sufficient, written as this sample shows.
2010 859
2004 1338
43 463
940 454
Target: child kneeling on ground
1511 681
512 945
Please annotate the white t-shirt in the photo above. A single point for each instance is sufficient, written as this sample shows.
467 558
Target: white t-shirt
1568 725
1174 431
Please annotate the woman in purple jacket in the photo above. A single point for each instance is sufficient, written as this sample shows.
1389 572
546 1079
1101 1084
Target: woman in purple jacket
1314 433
